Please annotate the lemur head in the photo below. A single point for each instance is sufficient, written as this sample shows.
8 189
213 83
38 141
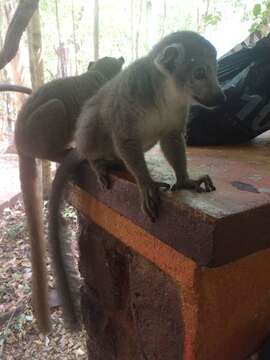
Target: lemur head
190 60
107 66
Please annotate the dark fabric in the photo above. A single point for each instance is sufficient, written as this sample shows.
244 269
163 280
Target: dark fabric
245 77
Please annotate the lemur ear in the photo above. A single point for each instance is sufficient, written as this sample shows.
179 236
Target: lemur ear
121 60
91 65
171 56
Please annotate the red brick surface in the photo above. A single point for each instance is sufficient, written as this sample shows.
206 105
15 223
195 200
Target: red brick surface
211 228
131 308
192 286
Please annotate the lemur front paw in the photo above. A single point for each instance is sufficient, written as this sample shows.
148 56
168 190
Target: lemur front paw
104 180
150 194
203 184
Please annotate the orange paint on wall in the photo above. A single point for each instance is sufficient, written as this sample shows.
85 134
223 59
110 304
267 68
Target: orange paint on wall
180 268
225 310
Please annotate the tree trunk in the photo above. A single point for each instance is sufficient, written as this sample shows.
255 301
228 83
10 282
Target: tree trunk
5 118
12 73
16 63
163 18
61 51
149 23
3 78
201 24
96 29
132 28
138 30
19 22
35 48
37 78
74 38
204 16
198 19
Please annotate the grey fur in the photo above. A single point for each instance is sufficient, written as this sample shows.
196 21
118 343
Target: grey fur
149 102
146 103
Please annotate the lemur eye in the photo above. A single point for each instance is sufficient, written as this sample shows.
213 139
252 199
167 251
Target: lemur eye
200 73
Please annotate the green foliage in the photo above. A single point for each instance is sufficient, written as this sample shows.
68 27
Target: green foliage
19 322
212 19
257 10
15 230
260 16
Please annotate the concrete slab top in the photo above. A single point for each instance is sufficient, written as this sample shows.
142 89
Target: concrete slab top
211 228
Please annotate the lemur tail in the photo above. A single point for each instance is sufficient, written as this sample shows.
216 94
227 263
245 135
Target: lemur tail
32 197
57 244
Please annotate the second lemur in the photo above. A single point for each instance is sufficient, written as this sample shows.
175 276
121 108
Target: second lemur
45 129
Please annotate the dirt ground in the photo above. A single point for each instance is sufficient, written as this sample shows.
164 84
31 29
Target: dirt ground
19 338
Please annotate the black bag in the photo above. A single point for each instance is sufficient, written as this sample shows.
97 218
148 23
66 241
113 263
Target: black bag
245 78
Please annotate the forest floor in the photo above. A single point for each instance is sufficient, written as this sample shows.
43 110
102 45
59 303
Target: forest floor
19 337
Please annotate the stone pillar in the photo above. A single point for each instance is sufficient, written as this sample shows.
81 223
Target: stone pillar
192 286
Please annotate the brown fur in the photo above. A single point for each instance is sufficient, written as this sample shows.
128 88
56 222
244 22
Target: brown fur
45 129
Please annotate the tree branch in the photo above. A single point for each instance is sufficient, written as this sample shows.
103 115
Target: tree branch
19 22
16 88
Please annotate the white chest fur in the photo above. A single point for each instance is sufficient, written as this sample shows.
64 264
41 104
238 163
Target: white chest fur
170 113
